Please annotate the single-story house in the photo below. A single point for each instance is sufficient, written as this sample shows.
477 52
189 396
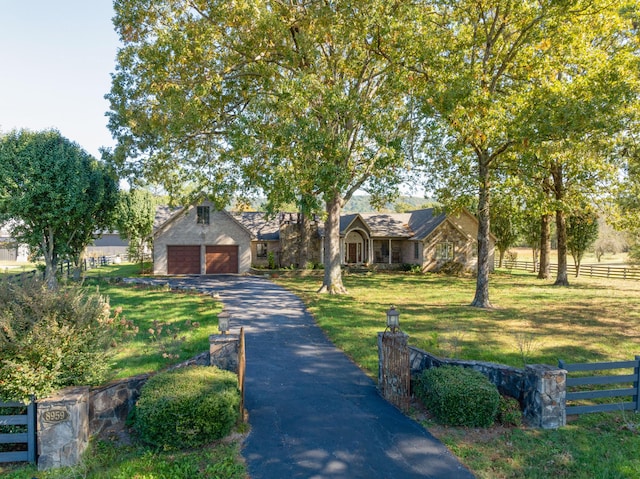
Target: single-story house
201 240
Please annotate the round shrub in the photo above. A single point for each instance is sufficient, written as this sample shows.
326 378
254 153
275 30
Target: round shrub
458 396
187 407
509 413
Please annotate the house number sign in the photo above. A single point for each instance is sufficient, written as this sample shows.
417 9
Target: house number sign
56 415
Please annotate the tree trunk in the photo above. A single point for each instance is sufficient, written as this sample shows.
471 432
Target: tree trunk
50 260
534 255
545 246
501 256
562 278
332 282
481 299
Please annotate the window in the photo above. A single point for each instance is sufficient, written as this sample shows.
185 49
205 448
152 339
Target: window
444 251
261 250
416 250
203 215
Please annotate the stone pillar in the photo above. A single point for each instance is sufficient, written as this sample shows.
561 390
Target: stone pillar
63 427
544 401
394 368
223 349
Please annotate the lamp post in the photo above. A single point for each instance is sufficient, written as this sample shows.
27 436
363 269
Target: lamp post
223 322
393 319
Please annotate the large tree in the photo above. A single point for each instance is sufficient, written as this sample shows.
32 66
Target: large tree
287 97
482 74
54 193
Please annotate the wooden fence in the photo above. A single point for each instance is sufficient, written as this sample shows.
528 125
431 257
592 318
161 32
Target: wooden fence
17 432
242 365
65 268
591 270
632 392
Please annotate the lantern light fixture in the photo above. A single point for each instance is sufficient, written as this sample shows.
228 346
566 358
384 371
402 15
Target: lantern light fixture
393 319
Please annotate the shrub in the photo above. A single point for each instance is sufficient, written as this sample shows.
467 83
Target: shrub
509 413
458 396
187 407
53 339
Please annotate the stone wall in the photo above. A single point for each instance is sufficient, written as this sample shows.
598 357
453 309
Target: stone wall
540 389
66 420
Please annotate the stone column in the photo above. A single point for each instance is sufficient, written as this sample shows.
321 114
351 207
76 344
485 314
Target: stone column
223 349
544 401
394 368
63 427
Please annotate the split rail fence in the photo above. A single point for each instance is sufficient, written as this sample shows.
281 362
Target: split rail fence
591 270
631 391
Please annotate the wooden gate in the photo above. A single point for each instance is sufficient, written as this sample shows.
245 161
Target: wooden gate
631 391
17 432
241 369
395 369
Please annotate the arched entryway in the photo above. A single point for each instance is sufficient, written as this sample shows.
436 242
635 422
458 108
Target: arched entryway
356 248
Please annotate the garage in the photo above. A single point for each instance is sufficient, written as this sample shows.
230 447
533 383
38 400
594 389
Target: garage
222 259
183 259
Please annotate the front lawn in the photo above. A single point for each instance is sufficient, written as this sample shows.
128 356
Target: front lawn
533 322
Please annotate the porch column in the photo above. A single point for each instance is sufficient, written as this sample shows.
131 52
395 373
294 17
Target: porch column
390 253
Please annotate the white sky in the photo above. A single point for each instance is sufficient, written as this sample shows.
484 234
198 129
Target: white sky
56 57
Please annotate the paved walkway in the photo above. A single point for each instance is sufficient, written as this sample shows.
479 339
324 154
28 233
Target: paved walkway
313 413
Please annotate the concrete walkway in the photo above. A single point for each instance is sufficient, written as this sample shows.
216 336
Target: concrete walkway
313 413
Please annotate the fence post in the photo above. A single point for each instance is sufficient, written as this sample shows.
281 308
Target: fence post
636 383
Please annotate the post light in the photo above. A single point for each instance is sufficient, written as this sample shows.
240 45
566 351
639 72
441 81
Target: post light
393 319
223 322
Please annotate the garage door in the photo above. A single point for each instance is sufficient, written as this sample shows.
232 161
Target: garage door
222 259
183 259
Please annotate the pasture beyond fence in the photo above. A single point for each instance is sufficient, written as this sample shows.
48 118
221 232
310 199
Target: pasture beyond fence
574 383
591 270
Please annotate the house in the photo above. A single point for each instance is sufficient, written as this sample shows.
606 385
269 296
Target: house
202 240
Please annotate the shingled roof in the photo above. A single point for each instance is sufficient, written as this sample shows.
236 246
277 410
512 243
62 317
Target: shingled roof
261 227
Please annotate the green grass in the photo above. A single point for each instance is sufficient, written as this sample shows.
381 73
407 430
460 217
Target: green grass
108 460
171 326
532 322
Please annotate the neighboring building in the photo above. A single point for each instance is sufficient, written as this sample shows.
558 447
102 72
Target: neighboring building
201 240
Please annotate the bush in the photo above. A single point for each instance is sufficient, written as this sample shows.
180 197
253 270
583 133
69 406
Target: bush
509 413
187 407
53 339
458 396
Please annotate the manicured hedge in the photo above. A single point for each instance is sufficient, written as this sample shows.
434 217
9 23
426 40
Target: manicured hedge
187 407
458 396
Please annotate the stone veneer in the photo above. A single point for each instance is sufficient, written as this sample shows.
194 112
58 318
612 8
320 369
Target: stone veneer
540 389
66 420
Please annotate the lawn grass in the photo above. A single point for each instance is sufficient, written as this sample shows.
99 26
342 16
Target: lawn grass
105 459
532 322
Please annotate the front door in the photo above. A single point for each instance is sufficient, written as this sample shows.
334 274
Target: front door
352 253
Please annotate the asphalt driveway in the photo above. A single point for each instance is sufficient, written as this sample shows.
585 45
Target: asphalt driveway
313 413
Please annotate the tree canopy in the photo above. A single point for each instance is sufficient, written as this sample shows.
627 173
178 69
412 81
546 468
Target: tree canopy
54 193
287 98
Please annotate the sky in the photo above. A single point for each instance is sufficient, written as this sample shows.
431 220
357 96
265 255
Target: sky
56 57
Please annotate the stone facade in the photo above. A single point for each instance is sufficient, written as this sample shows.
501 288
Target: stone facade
224 351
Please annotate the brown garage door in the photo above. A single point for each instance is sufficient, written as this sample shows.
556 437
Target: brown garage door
222 259
183 259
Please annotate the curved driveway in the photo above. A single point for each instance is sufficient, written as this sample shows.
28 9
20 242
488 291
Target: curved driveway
313 413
